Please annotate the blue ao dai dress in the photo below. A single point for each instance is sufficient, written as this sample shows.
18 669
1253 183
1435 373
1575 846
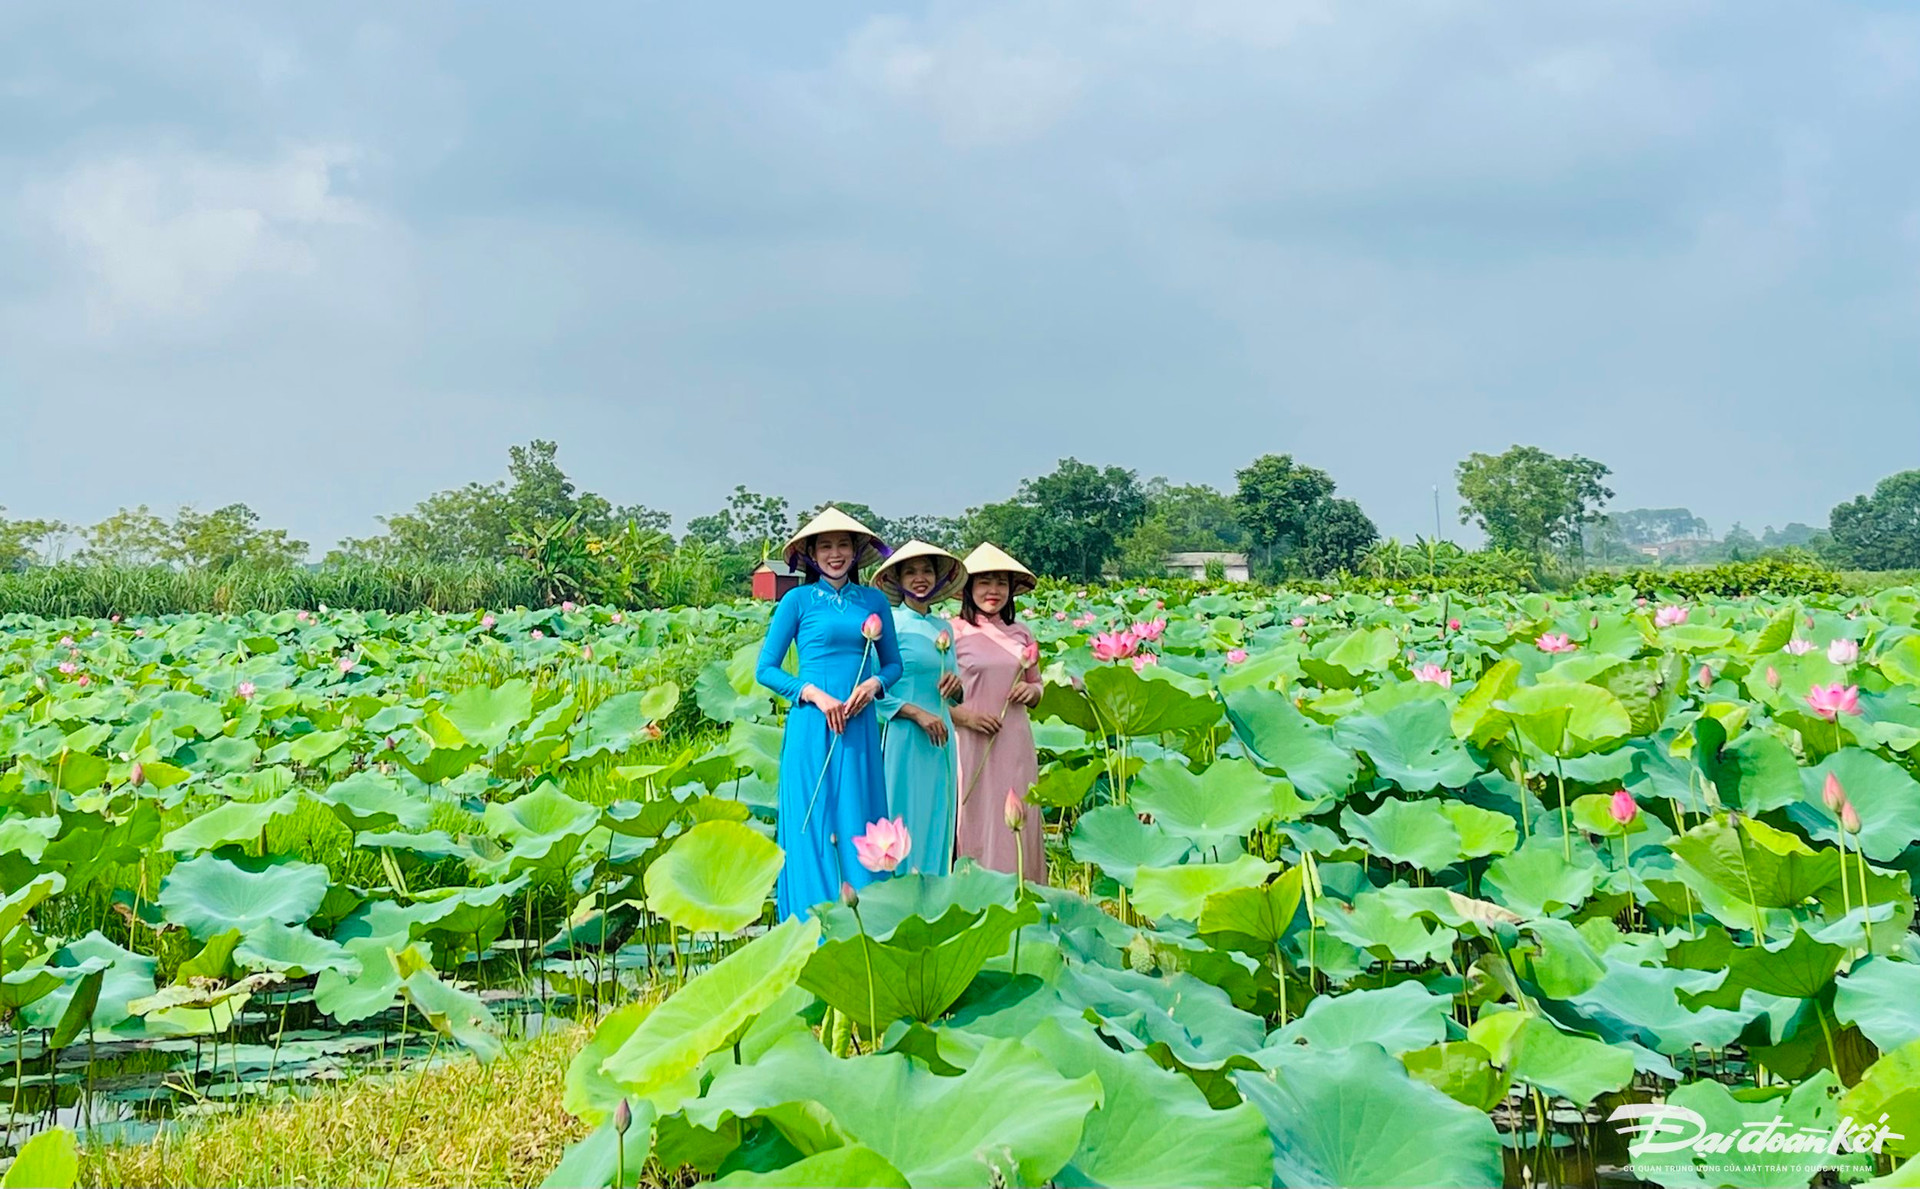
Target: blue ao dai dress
825 625
922 780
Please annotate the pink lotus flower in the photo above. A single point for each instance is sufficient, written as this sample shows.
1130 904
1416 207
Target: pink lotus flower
943 641
84 681
1555 642
1059 617
1669 616
884 846
1030 655
69 667
1832 794
1641 602
487 621
1453 625
1161 605
137 775
1799 647
619 618
1843 651
301 616
567 607
1832 701
871 628
1773 677
1141 590
1150 630
1143 660
1016 810
1622 807
244 689
344 664
586 652
537 634
1849 818
66 641
1434 675
1114 646
1236 656
139 631
848 897
1298 621
1705 677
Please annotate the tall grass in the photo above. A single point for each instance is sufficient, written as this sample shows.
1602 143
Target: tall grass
98 591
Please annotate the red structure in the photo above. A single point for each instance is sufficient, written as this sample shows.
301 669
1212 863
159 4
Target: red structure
771 579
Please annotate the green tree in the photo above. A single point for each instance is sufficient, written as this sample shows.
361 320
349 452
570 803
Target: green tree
1143 552
26 543
1529 500
1336 538
1068 523
230 536
1881 531
129 537
1273 496
948 532
759 523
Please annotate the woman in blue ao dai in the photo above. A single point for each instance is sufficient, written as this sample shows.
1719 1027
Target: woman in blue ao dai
831 781
922 775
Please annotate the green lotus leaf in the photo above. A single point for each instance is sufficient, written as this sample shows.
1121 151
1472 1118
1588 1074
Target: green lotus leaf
1537 880
1355 1117
1123 702
617 725
370 801
1882 997
1418 833
1399 1018
1567 719
1813 1105
1755 773
316 746
209 894
1373 923
1797 968
1642 1004
1279 736
715 878
1182 891
1010 1117
456 1014
235 821
1230 798
1750 859
1412 745
291 950
21 987
1363 652
1882 793
1119 843
726 691
461 917
1153 1126
918 967
1534 1051
853 1164
18 903
49 1160
128 977
1461 1070
543 827
352 995
712 1007
1262 913
1482 832
27 836
487 717
1891 1088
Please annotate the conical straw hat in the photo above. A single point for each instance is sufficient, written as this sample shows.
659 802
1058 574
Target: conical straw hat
988 559
833 520
950 575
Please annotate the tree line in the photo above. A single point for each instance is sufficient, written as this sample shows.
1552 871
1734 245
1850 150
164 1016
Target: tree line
1079 521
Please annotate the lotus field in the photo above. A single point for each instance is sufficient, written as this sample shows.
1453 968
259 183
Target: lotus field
1344 891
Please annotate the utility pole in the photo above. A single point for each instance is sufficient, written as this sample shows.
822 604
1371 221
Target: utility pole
1436 511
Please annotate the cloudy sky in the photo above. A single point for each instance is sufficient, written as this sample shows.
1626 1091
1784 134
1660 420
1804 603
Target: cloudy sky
326 259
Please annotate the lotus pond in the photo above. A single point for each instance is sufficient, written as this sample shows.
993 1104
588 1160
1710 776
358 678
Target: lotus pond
1344 891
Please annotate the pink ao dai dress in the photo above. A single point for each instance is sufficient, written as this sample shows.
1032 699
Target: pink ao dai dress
989 659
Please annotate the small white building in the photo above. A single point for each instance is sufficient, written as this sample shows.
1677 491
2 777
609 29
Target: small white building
1194 565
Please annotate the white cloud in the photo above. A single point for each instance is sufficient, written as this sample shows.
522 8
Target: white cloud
980 90
164 235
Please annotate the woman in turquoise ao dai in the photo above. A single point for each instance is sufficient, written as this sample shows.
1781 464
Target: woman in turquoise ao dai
832 785
922 775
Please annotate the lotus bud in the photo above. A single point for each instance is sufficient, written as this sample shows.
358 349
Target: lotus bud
1623 808
1016 810
848 896
1031 653
871 628
137 775
1773 677
943 641
619 618
566 607
1843 651
392 743
1849 818
345 664
1236 656
487 621
1706 676
586 652
622 1117
537 634
1832 794
1453 625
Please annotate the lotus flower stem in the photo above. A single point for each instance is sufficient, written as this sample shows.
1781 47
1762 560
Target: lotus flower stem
1566 819
859 675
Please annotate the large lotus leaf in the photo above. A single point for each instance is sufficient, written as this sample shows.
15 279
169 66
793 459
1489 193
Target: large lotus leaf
1229 799
920 968
1279 736
47 1161
727 692
1365 651
209 894
17 904
1797 968
1561 962
129 976
1261 913
1533 1050
454 1013
888 903
315 746
1882 997
1196 1021
1642 1004
1354 1117
1567 718
756 747
1482 832
370 801
616 725
1375 924
599 1159
1890 1090
1755 772
1125 703
544 827
1475 708
706 1012
353 995
1418 833
21 987
850 1164
1401 1017
715 878
235 821
461 917
1412 745
1461 1070
486 717
1153 1125
1182 891
1119 843
1882 793
1814 1105
1009 1119
1750 861
291 950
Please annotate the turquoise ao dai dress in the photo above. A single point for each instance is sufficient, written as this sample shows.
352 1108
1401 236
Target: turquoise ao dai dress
922 779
